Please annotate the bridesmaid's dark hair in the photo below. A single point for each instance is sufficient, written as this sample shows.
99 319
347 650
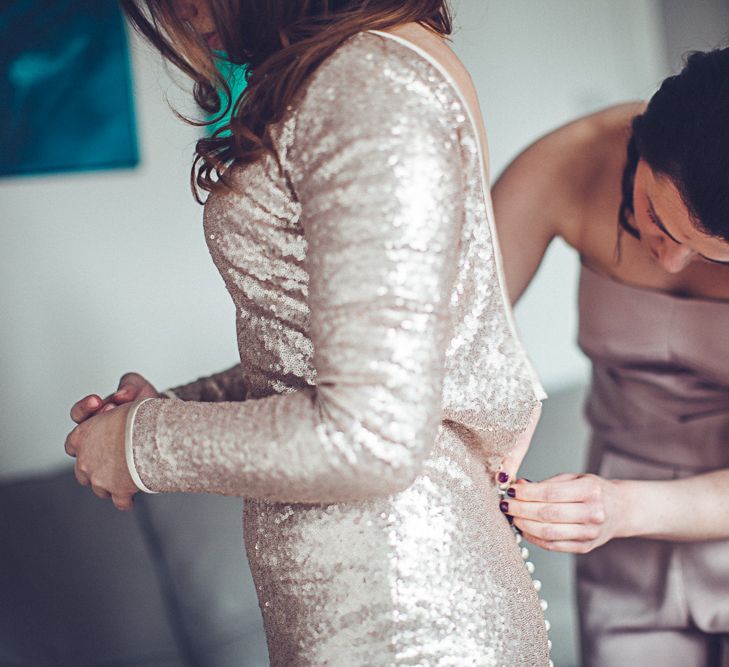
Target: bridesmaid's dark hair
684 135
281 43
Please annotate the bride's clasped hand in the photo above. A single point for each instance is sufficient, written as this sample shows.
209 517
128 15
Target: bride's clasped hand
98 441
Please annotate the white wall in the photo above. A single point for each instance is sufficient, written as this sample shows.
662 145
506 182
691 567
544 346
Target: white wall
536 65
104 273
699 24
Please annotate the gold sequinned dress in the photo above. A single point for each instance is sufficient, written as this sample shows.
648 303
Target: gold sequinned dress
380 380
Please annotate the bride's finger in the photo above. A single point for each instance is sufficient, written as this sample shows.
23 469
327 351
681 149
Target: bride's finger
99 492
85 408
81 477
122 502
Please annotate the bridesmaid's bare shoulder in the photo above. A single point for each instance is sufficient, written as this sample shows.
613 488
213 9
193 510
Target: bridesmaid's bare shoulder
571 176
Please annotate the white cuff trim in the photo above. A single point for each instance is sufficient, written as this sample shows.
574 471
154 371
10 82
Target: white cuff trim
129 451
170 394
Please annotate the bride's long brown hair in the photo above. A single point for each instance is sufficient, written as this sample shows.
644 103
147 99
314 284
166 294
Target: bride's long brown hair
281 43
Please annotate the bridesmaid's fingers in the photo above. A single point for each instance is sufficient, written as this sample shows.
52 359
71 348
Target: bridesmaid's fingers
86 407
107 407
566 546
556 512
580 489
564 477
558 532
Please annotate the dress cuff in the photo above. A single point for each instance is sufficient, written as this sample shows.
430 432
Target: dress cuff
130 452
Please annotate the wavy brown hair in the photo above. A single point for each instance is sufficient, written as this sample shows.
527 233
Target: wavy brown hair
281 43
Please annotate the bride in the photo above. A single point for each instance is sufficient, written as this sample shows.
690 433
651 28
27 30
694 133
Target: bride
381 384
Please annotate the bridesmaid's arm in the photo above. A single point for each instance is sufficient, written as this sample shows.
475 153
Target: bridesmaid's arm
683 510
545 192
522 197
578 513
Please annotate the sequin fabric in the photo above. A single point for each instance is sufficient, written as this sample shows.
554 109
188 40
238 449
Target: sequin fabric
383 380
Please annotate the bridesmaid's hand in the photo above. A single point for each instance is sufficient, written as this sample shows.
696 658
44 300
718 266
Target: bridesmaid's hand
132 387
98 446
571 513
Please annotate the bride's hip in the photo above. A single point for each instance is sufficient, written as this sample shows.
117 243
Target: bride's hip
433 568
446 525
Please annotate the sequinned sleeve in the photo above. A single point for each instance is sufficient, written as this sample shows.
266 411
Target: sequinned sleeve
374 160
228 385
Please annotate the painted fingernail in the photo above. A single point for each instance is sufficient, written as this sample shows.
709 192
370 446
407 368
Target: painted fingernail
510 519
511 492
503 477
93 402
504 506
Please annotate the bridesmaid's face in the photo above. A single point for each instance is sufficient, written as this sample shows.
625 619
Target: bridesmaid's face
200 17
667 230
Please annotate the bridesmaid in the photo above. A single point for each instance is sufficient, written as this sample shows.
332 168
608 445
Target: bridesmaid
350 218
642 194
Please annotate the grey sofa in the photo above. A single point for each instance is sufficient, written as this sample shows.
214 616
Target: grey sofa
84 584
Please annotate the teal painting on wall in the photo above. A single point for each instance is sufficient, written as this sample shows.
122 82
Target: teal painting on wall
65 87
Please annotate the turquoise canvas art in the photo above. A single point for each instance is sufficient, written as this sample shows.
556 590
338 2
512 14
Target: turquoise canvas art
65 87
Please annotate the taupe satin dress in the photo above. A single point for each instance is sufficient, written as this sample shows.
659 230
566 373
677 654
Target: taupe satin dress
659 409
380 383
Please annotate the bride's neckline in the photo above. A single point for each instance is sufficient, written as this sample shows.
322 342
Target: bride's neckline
459 80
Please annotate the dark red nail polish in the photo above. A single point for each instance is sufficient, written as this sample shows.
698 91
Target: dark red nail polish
510 519
504 506
503 478
511 492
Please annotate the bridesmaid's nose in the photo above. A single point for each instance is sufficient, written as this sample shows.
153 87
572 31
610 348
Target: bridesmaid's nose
675 257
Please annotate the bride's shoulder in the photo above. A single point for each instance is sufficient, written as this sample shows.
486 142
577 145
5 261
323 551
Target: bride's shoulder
371 83
378 64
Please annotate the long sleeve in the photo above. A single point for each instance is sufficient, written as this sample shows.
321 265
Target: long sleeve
374 160
228 385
